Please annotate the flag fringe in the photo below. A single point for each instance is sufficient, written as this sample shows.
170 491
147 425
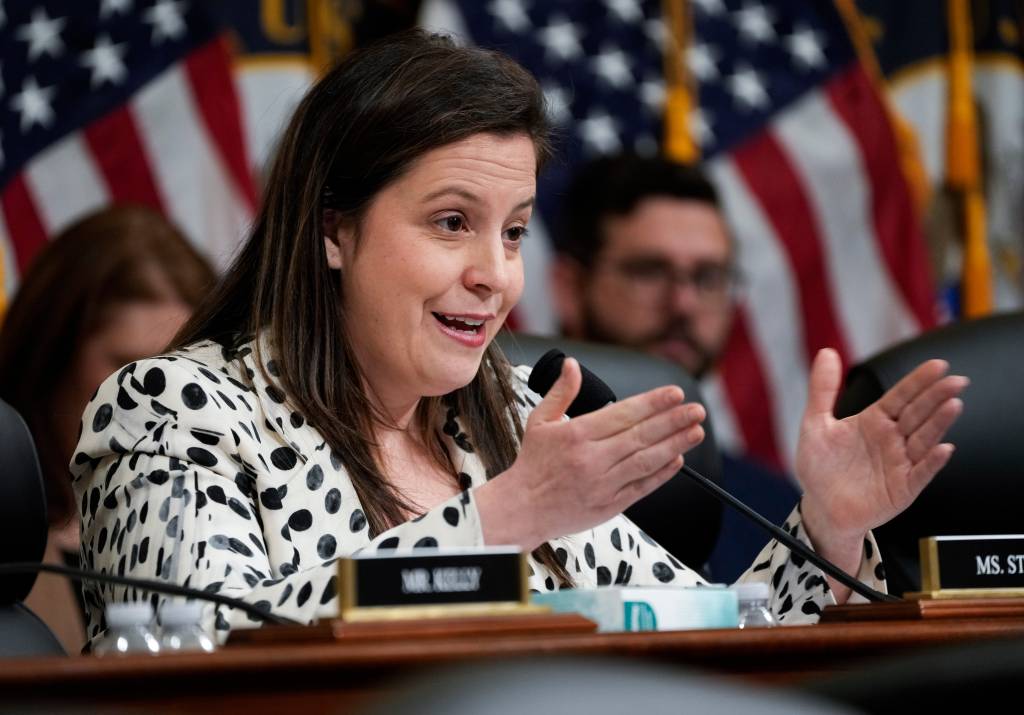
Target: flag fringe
680 92
963 164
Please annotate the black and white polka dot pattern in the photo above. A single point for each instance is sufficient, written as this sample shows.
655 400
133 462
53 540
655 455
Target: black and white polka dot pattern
193 468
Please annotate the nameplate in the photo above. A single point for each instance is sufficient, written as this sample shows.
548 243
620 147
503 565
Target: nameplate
954 566
430 582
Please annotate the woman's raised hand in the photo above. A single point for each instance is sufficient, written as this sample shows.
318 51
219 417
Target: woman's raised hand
860 472
573 474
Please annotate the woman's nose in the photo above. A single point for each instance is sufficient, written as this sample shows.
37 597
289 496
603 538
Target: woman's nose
487 268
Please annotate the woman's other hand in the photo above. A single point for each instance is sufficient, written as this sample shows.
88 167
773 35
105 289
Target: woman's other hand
861 471
573 474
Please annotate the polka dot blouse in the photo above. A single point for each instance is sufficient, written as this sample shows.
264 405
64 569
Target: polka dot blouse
192 468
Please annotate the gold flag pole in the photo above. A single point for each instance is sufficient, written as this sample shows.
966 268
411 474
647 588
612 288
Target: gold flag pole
963 163
680 90
330 32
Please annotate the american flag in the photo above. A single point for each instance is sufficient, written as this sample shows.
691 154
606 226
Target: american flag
800 146
105 101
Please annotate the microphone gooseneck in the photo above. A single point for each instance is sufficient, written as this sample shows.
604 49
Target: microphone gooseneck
594 394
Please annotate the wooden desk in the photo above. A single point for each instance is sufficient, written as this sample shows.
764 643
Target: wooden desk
331 677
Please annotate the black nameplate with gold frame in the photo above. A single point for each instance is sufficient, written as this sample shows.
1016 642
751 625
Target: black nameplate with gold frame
970 566
434 582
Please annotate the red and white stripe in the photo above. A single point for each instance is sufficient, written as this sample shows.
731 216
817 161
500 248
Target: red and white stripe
830 245
767 348
177 145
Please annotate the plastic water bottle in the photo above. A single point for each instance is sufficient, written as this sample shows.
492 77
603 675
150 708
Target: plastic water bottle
182 628
753 603
128 630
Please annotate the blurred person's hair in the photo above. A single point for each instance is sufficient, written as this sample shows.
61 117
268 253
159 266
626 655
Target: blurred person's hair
360 128
120 255
613 186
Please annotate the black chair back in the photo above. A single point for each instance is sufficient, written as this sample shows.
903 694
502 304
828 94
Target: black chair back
978 492
23 534
681 516
23 527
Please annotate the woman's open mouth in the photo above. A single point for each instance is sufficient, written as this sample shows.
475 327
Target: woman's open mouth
467 330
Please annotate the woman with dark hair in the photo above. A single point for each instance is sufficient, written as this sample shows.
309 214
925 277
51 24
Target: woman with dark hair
340 391
114 287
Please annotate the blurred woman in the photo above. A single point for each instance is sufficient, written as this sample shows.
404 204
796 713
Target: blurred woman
112 288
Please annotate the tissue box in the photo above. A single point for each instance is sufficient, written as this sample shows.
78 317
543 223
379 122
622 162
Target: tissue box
634 608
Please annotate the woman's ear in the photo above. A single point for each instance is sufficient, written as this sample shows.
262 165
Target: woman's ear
333 230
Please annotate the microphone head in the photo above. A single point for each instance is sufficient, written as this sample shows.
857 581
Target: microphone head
545 371
593 395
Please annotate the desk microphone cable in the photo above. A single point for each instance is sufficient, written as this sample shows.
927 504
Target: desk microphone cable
150 585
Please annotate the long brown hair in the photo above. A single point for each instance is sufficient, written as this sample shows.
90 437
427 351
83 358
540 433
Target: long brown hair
123 254
359 129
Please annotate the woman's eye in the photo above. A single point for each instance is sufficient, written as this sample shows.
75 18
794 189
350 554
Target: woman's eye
517 233
453 223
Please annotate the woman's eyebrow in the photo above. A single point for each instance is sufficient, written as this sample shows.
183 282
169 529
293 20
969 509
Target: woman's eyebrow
470 196
451 190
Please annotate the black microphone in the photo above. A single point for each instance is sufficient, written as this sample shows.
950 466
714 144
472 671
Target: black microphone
149 585
595 394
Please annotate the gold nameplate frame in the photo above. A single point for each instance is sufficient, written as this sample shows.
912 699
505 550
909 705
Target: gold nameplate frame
434 583
989 566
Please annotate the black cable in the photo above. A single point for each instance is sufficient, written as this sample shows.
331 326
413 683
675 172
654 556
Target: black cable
148 585
794 545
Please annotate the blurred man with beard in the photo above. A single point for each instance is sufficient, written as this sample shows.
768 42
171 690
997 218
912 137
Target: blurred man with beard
645 261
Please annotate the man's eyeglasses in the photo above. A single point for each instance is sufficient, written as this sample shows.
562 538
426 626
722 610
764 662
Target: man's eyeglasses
712 281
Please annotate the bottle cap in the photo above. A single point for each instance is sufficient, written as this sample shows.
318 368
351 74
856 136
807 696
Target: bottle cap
756 591
181 613
120 615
